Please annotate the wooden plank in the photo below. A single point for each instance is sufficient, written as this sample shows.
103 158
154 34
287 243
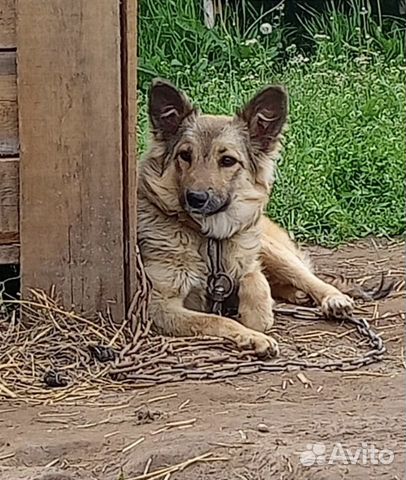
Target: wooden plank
128 17
9 254
69 93
8 88
9 200
8 104
7 63
7 23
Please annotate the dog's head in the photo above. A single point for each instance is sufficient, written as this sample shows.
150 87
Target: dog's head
220 168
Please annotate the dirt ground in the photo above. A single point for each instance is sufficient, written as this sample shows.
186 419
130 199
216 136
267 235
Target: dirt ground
255 427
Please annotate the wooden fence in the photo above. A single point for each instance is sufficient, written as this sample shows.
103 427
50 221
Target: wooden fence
67 147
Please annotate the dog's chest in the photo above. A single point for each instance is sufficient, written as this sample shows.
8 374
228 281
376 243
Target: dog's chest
233 257
220 259
177 258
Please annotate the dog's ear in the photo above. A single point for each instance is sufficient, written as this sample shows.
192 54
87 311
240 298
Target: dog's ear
168 107
265 116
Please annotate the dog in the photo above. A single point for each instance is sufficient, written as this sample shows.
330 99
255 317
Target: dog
208 178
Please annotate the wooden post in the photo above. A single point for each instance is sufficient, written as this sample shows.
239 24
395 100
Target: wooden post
9 164
76 96
129 121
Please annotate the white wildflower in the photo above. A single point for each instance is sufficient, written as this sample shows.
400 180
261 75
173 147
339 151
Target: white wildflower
265 28
299 59
362 60
251 41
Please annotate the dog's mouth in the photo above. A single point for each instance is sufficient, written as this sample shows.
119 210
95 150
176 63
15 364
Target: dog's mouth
212 207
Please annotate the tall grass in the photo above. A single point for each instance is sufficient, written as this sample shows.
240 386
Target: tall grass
342 172
341 36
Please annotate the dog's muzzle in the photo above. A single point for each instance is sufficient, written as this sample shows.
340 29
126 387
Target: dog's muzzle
204 202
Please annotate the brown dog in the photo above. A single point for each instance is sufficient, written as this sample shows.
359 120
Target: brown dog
209 177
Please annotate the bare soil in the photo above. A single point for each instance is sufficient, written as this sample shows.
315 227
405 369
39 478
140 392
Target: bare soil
256 426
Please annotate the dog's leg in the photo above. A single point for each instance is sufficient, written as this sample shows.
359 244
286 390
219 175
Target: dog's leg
290 294
256 302
170 317
284 264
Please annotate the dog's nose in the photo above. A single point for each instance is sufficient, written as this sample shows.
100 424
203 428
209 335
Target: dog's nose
196 199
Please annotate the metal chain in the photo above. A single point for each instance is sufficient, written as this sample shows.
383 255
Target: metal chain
375 354
168 366
220 285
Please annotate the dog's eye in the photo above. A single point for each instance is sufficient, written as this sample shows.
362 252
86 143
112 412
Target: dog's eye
186 156
227 161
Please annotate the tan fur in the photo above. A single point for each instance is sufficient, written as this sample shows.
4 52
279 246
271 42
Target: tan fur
257 253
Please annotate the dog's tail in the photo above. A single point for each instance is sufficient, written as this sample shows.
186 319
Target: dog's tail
356 289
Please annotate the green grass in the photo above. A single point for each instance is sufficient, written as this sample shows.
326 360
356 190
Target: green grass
342 172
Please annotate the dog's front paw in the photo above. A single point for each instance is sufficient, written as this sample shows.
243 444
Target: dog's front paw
263 345
337 306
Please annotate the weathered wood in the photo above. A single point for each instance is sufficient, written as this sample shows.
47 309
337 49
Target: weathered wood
8 104
8 88
9 200
69 93
7 63
9 254
129 121
7 23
